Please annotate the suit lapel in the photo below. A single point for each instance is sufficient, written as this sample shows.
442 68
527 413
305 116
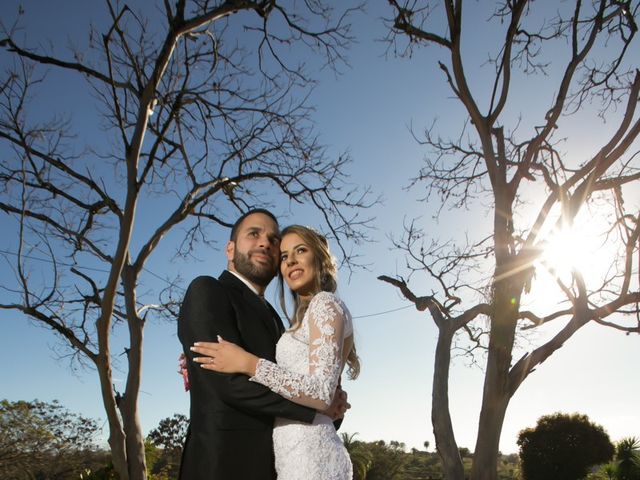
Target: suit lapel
265 313
276 318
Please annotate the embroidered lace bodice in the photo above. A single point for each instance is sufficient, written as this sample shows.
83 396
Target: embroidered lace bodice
309 359
308 368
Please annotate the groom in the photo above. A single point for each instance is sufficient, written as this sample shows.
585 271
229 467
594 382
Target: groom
231 422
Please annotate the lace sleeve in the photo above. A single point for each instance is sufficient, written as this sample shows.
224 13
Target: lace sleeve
326 320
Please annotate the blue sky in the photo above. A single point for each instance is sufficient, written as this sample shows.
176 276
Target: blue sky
367 111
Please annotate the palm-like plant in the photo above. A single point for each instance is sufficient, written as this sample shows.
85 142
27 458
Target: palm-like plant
628 459
361 458
608 471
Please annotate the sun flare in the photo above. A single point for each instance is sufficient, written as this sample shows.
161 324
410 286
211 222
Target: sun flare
566 251
580 247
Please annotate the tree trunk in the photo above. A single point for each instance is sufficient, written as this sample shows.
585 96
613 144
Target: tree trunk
496 393
117 437
129 404
440 416
485 457
505 301
135 443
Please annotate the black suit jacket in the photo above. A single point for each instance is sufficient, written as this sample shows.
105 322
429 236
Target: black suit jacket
231 422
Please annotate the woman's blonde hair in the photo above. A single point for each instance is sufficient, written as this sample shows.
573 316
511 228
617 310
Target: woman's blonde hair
325 281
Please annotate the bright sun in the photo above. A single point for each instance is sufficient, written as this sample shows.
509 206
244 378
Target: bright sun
580 247
591 246
567 250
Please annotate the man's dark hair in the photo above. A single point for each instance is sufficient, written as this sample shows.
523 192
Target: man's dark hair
234 229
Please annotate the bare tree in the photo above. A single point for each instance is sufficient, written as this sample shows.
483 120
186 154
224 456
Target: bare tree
533 189
204 112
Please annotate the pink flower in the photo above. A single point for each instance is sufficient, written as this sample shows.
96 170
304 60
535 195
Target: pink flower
182 361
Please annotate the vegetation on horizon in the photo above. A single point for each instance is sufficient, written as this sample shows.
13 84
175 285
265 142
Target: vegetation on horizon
45 441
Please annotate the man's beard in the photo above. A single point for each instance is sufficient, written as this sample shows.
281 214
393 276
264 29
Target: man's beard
259 274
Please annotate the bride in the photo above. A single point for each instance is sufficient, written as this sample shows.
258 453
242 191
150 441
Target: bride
310 358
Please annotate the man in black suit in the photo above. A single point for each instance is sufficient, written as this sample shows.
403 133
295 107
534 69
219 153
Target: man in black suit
232 418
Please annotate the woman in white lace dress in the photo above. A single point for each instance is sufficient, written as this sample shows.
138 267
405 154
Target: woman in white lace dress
310 358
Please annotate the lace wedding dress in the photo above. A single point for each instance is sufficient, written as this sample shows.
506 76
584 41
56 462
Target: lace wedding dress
309 364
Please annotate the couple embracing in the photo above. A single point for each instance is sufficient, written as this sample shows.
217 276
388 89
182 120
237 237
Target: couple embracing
261 411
